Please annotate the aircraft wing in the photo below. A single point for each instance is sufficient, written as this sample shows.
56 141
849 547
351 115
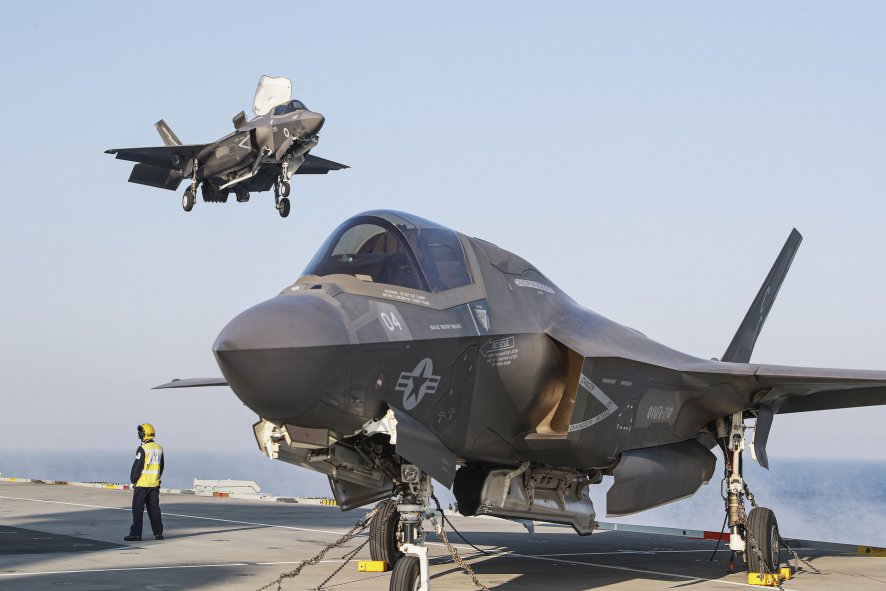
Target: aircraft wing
161 156
316 165
192 383
802 389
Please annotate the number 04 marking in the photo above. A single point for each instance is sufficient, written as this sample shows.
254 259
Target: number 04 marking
390 321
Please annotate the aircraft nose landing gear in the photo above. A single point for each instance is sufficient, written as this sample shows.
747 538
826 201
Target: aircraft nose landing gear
281 199
396 535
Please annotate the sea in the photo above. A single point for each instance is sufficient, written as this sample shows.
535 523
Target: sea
827 500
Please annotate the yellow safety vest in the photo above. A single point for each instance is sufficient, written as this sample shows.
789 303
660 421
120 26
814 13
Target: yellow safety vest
151 472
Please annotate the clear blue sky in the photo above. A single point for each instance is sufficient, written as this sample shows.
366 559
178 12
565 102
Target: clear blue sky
650 157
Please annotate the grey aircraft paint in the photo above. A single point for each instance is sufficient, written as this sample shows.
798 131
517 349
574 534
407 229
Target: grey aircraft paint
259 155
491 371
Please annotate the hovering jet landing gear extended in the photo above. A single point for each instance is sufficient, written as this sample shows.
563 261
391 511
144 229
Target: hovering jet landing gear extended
190 196
281 201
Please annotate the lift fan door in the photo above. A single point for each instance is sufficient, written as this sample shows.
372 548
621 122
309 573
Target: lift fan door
270 93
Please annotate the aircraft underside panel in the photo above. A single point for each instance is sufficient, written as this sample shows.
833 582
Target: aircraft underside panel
527 492
156 176
649 477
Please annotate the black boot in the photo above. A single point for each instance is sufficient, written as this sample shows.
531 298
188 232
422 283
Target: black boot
133 539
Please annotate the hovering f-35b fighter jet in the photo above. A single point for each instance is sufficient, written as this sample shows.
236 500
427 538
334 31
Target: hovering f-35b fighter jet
408 351
259 155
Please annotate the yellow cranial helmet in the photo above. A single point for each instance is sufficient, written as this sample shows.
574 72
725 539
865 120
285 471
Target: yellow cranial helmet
146 431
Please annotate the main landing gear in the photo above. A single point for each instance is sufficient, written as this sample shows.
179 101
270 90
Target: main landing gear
190 196
188 200
753 535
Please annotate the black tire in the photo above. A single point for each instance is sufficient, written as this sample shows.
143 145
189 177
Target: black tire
284 207
284 189
406 575
764 529
188 200
383 534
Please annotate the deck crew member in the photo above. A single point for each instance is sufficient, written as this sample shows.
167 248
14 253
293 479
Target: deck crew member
145 477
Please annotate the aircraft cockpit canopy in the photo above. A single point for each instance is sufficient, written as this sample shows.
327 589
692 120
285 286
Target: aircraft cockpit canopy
394 249
289 107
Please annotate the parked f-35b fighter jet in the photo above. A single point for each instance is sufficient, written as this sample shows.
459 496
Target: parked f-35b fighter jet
259 155
408 351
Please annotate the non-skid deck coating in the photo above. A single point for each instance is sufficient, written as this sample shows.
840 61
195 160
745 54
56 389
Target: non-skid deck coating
73 541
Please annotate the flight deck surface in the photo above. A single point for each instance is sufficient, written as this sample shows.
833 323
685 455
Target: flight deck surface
72 538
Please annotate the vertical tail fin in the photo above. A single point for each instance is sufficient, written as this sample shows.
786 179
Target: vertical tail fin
169 137
745 338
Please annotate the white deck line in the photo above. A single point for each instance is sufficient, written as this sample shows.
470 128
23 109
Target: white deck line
289 527
293 528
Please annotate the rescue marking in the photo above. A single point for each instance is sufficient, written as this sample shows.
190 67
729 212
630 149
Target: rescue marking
601 396
500 352
428 382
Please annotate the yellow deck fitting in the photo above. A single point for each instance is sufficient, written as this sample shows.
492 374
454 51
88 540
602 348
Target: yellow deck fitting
770 579
372 566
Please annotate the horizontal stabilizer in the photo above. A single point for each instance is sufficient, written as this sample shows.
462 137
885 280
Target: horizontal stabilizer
166 133
803 389
316 165
192 383
163 156
156 176
745 338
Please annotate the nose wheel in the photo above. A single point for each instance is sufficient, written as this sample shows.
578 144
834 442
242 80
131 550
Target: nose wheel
281 197
406 575
383 534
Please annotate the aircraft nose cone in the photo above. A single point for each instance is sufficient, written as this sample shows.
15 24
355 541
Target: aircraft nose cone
278 356
312 122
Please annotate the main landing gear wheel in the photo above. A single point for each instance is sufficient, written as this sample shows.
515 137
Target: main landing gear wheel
284 189
283 207
188 200
406 575
383 534
764 529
